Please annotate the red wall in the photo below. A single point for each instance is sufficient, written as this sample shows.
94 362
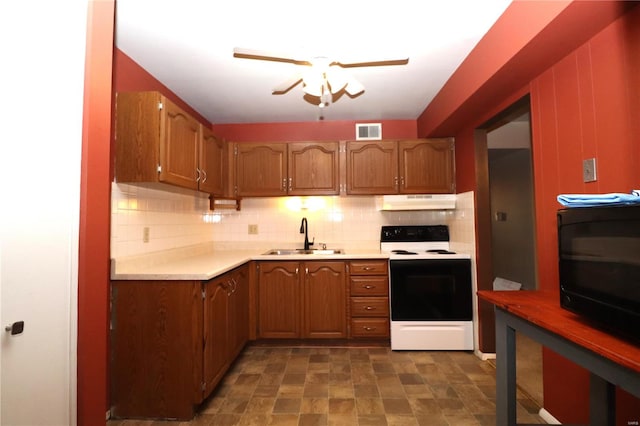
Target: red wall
311 130
128 76
95 213
584 106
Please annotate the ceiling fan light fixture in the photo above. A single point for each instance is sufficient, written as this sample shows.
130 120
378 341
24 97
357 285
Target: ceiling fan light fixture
313 83
336 78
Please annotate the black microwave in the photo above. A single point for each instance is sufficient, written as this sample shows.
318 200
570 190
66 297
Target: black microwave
599 255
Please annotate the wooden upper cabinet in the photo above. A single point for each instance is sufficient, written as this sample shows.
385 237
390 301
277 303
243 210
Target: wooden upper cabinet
400 167
313 168
157 141
281 168
260 169
179 143
211 164
372 167
426 166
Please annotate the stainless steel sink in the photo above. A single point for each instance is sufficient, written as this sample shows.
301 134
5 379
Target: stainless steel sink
291 252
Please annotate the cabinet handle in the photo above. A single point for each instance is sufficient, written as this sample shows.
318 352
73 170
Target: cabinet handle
368 287
368 268
204 179
290 184
402 181
296 271
197 174
306 271
369 328
284 184
369 308
395 182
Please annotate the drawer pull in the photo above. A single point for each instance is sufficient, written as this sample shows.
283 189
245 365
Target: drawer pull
368 287
369 308
368 268
369 328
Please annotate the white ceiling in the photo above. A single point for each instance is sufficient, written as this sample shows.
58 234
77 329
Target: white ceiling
188 46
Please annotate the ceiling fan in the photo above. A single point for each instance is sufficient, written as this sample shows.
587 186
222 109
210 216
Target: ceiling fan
325 76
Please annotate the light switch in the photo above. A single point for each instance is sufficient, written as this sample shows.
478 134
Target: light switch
589 170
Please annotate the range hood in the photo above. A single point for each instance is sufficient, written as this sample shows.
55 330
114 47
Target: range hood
416 202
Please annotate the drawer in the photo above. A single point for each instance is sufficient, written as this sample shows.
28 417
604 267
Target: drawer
370 307
370 327
368 267
370 286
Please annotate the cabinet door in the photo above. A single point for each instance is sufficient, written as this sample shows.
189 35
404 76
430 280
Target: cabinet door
314 168
324 305
216 329
372 167
179 142
239 311
426 166
211 163
156 347
261 169
279 300
137 138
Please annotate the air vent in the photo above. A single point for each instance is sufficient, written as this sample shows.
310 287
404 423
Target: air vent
369 131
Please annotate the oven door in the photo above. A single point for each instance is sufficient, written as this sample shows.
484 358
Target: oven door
431 290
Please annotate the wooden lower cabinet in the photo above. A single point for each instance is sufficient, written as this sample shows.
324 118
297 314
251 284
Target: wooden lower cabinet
369 299
302 300
172 342
324 300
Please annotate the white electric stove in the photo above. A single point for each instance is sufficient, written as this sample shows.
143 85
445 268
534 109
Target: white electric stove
430 289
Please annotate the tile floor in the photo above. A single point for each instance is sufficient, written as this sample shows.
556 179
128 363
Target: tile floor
275 385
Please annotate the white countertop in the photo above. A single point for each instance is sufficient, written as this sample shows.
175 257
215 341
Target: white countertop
207 264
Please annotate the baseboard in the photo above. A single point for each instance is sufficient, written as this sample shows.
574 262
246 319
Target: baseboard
484 356
547 417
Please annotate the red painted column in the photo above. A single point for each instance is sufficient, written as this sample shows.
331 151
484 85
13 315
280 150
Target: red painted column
95 213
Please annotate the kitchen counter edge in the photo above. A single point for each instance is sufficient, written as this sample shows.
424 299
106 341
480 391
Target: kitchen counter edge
210 265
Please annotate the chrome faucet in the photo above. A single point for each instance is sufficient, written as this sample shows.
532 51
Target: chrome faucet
304 229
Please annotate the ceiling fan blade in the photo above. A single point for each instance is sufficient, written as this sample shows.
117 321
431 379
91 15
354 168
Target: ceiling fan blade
287 85
354 87
402 61
239 52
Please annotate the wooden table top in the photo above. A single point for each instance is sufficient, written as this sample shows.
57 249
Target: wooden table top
543 309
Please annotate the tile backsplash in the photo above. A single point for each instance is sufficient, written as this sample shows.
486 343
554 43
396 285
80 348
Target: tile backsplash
179 218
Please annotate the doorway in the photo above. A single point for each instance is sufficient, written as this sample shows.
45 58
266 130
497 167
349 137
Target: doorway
506 206
511 200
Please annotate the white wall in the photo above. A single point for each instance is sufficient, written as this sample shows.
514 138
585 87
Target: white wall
42 85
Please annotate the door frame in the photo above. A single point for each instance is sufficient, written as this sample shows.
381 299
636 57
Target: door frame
484 259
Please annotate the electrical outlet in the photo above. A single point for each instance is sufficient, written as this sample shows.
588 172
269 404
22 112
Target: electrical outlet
253 229
589 170
145 234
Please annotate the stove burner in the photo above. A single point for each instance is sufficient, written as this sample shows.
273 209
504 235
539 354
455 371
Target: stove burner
441 251
403 252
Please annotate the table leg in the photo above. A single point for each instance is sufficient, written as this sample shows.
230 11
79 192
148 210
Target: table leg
505 371
602 402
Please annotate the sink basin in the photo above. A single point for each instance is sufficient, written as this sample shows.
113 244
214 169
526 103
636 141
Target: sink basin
290 252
